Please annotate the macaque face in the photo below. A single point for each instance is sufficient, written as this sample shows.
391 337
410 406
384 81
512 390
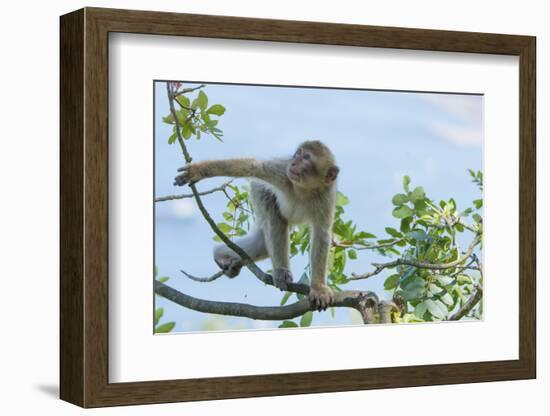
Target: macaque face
307 169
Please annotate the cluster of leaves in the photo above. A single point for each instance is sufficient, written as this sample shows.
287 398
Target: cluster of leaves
159 312
477 178
428 233
194 116
238 212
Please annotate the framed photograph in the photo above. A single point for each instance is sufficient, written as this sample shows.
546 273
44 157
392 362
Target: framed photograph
254 207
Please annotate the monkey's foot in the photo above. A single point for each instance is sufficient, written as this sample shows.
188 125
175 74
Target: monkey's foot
321 297
281 278
230 265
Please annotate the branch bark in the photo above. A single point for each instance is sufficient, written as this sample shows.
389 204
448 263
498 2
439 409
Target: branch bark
349 298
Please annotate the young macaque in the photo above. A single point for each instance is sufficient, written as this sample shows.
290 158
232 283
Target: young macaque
288 191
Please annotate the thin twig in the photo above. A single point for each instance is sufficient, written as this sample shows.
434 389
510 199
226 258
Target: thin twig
469 305
419 264
365 247
215 276
182 196
188 90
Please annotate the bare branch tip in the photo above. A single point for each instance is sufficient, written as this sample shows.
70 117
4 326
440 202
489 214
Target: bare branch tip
215 276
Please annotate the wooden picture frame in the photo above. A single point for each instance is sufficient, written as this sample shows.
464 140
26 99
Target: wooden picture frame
84 207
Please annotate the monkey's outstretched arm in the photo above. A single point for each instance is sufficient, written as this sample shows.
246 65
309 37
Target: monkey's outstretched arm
270 171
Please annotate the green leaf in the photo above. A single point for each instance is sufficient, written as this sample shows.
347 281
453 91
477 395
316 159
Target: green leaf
216 109
393 232
163 279
225 228
288 324
187 130
341 199
304 279
414 290
463 279
406 182
352 254
478 203
419 235
436 308
391 281
164 328
202 100
306 319
452 205
400 199
183 100
417 193
434 289
444 280
402 212
158 314
447 299
362 234
172 138
285 298
169 119
421 206
406 224
420 310
477 218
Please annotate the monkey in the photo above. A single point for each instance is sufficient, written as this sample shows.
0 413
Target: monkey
286 191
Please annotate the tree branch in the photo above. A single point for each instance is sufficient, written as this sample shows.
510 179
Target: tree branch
419 264
188 90
220 188
348 298
469 305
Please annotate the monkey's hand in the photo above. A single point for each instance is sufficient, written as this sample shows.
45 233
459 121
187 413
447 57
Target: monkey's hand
321 296
190 174
281 278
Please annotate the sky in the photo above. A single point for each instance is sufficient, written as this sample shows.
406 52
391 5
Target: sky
377 138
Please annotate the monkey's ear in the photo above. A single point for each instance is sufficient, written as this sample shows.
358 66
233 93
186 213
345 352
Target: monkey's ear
332 173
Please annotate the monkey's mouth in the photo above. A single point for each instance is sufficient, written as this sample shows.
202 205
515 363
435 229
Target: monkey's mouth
294 175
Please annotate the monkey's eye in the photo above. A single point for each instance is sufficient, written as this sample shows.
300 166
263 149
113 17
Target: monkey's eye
307 156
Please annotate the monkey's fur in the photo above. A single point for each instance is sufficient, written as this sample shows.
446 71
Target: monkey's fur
296 190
